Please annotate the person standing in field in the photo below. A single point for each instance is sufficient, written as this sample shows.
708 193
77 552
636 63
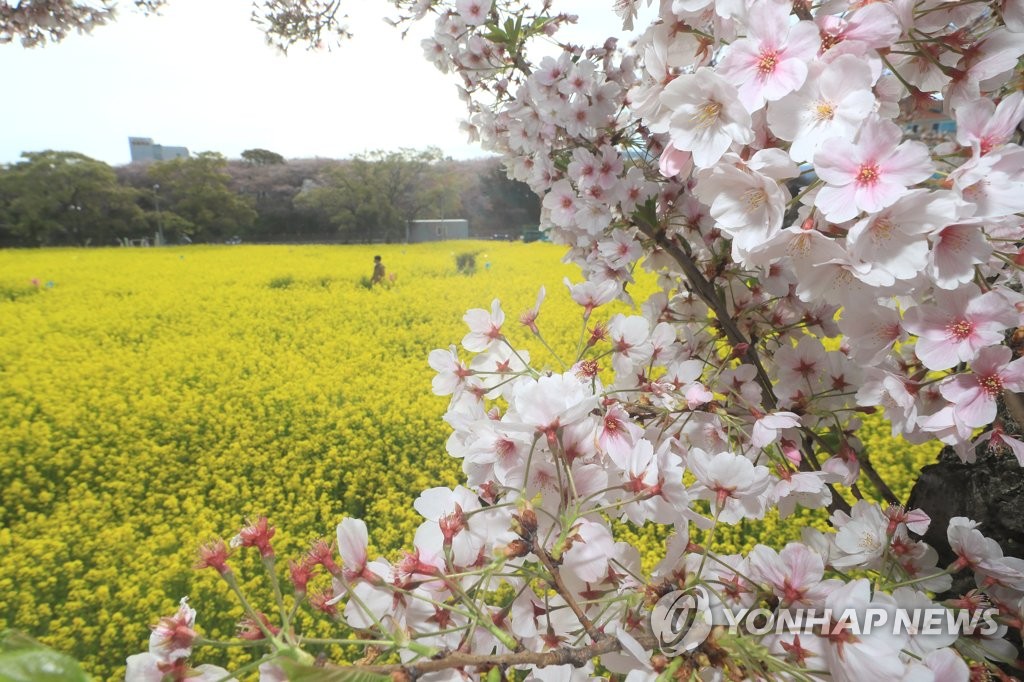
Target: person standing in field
378 271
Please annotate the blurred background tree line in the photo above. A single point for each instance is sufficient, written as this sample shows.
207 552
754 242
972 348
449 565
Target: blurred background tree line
58 198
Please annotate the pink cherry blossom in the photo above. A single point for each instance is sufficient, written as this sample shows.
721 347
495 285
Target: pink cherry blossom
562 203
947 666
622 250
795 574
862 537
549 403
735 487
494 371
998 441
832 103
484 327
707 116
592 294
871 331
772 60
450 532
969 545
451 372
675 162
591 549
995 54
870 174
893 392
991 183
352 541
746 205
802 364
808 489
618 435
767 428
1012 12
631 347
986 126
956 249
855 657
529 318
974 395
958 325
895 241
172 637
653 485
871 26
473 12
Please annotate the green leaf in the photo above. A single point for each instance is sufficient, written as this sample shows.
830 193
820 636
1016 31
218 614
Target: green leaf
298 672
23 659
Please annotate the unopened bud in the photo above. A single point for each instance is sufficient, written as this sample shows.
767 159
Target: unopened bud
517 548
258 535
598 333
529 519
323 601
214 555
321 553
300 572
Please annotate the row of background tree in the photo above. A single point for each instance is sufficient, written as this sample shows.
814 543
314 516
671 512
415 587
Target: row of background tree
55 198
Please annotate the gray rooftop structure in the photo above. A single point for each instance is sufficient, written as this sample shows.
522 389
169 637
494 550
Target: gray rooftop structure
144 150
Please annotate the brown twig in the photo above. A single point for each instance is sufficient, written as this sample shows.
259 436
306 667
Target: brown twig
575 656
707 293
560 587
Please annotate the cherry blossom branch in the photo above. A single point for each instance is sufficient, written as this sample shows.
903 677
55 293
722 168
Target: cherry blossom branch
868 468
566 593
865 464
1015 406
706 291
566 655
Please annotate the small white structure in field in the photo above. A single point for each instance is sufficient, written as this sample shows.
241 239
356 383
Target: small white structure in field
417 231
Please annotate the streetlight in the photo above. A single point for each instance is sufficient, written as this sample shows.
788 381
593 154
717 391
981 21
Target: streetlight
159 222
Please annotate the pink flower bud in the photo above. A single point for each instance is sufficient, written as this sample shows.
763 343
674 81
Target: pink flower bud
258 535
214 554
301 573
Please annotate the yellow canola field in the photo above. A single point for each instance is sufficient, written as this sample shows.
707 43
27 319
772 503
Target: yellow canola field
151 399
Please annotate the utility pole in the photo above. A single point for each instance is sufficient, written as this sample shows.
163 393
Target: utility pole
160 241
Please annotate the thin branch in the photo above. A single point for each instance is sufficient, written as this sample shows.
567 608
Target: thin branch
574 656
560 587
707 293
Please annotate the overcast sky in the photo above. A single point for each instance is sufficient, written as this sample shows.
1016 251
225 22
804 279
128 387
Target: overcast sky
201 76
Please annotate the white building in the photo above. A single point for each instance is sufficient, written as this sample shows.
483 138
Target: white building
417 231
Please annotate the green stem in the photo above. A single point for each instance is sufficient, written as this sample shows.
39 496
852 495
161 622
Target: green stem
269 563
229 578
